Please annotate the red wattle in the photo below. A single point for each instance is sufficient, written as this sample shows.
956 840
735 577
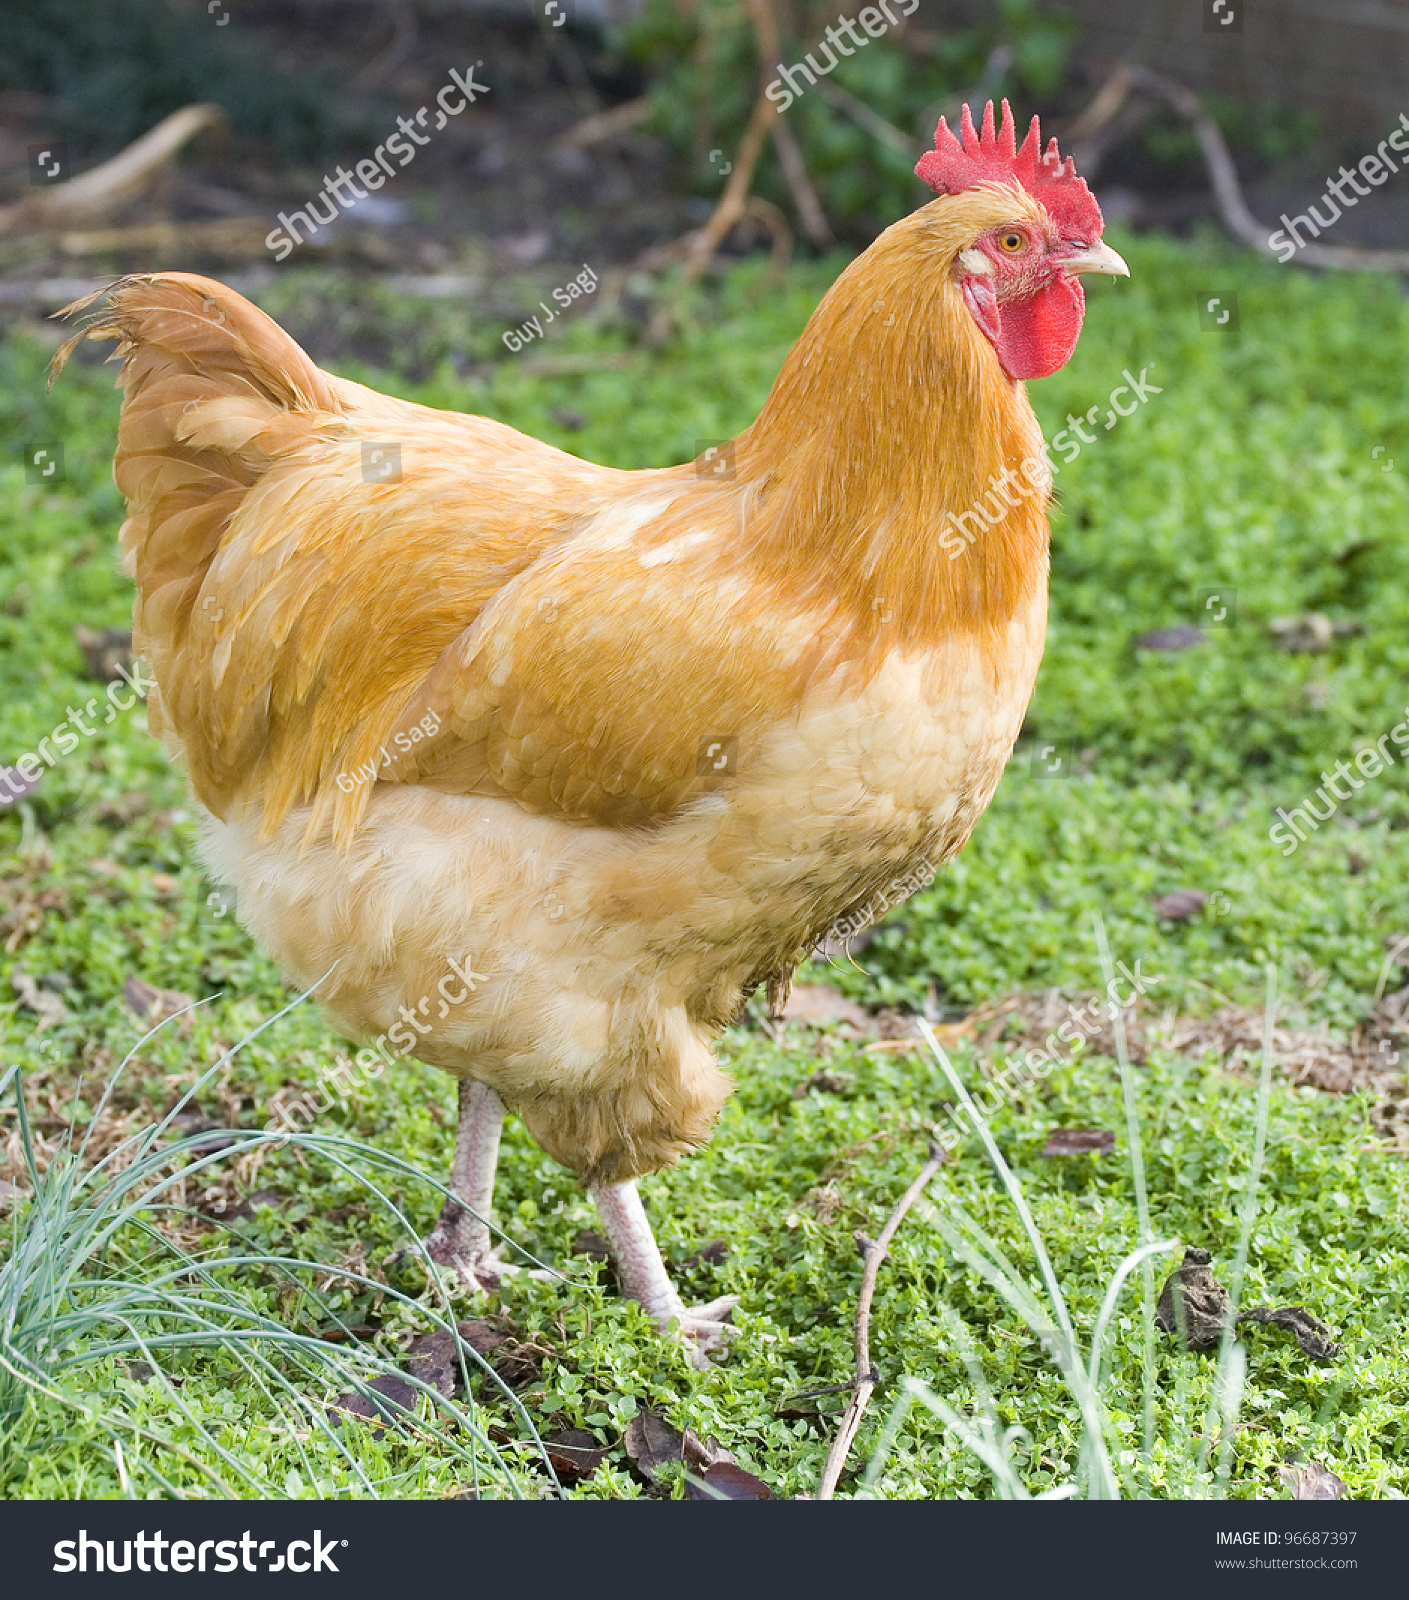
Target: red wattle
1039 333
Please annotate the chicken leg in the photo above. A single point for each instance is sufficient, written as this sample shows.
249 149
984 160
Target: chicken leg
461 1238
644 1278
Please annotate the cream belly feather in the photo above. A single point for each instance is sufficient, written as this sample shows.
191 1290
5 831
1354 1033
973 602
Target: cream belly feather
579 970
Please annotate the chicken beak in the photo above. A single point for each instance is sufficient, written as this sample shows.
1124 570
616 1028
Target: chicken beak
1096 257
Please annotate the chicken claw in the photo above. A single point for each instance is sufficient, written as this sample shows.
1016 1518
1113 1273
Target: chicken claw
702 1329
465 1248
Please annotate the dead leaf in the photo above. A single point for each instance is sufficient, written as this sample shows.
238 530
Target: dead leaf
1312 1482
575 1454
1183 637
10 1191
1312 634
50 1010
592 1245
1206 1309
653 1443
726 1480
1312 1334
154 1005
1180 905
818 1004
825 1082
186 1124
106 652
1193 1304
380 1406
435 1356
435 1360
1079 1142
710 1254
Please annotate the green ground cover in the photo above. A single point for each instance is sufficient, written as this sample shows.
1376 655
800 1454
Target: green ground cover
1253 474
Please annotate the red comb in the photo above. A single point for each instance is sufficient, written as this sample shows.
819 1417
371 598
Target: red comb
989 157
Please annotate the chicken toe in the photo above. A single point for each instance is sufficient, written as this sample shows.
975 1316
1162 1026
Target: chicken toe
644 1277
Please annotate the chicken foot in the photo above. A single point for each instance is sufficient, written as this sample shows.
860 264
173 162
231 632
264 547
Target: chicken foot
461 1238
643 1276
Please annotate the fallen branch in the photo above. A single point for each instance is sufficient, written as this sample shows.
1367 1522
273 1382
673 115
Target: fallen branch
873 1252
700 247
809 207
734 200
97 191
221 235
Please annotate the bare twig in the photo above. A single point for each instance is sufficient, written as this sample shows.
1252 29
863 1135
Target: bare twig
603 125
809 207
736 190
1396 950
733 203
225 235
873 1252
1101 111
861 114
1223 175
771 218
405 31
700 247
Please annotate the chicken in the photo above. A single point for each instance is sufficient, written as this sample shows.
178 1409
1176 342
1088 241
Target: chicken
611 748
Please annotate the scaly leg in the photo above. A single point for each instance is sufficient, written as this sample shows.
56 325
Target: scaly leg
644 1278
461 1238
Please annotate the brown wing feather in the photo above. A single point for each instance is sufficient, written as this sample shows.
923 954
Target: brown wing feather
591 685
288 608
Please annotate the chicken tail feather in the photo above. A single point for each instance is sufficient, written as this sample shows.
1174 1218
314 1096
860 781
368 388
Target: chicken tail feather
214 394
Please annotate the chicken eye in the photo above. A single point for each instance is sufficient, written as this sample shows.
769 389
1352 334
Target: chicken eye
1011 242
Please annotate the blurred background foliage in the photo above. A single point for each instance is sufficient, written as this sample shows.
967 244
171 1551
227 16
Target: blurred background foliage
113 70
704 70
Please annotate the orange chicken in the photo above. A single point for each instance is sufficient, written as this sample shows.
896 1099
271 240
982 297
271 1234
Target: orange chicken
614 747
